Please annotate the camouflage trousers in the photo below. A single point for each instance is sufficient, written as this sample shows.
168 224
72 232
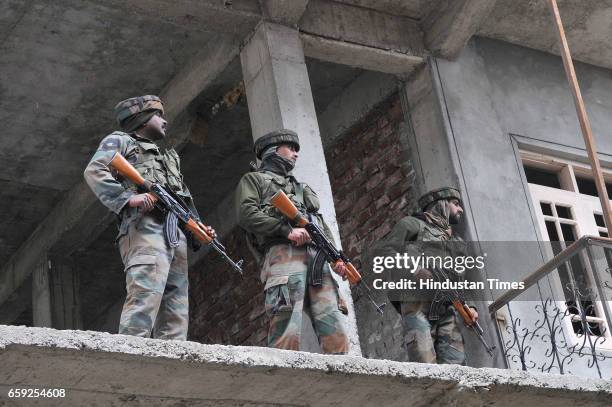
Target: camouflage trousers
156 282
432 341
288 296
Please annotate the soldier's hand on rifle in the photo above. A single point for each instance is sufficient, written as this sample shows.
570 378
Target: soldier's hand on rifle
340 269
474 313
209 230
299 236
144 202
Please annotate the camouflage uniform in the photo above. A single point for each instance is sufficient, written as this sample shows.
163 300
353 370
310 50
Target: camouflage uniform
284 267
156 273
431 330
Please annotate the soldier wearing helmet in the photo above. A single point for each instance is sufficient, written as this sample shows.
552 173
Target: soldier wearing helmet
292 282
152 246
431 328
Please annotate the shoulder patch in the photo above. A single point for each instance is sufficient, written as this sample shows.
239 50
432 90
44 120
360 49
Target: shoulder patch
110 144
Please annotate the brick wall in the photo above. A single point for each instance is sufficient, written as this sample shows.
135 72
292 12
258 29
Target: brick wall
224 307
372 183
372 186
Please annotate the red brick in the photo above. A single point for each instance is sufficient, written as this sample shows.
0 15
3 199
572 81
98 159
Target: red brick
362 203
381 202
396 177
374 181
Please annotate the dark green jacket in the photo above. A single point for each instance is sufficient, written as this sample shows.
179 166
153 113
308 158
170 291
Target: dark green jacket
256 214
411 235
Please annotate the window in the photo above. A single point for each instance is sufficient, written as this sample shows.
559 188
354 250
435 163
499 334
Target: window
542 177
586 186
567 208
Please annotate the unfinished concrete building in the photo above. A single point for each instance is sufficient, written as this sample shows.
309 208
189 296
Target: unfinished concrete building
390 98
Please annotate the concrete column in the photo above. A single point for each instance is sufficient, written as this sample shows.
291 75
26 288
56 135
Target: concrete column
279 96
55 295
65 298
41 294
437 163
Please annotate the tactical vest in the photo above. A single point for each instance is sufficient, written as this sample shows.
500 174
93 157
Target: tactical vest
425 243
155 166
272 183
294 191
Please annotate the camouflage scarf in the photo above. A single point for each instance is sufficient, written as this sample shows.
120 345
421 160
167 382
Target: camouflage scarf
277 164
437 214
135 121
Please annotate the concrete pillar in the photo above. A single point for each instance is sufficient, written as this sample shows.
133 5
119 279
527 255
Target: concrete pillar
437 164
279 96
41 295
55 295
65 298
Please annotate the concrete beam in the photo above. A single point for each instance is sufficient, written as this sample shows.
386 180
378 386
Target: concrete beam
236 17
408 8
196 75
287 12
85 364
359 56
360 37
357 25
79 218
450 25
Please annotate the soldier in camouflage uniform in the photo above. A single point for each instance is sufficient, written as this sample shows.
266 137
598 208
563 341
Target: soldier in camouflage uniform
291 282
152 247
431 328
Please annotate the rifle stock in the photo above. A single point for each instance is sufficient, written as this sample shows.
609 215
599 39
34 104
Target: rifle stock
169 202
123 167
284 205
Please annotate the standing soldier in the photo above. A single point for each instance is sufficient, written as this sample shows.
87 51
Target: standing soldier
152 247
292 285
431 328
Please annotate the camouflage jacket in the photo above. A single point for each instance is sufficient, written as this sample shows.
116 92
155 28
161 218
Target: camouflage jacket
153 164
258 217
411 235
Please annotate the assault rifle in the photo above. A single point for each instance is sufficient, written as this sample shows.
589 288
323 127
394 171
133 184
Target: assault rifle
168 201
456 299
281 202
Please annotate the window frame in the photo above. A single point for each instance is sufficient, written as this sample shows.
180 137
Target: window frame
583 224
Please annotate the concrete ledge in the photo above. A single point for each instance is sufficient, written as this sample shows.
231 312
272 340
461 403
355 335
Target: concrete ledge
103 369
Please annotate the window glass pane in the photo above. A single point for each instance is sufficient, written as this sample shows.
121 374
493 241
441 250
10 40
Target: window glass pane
587 186
542 177
599 220
568 233
546 209
564 212
552 231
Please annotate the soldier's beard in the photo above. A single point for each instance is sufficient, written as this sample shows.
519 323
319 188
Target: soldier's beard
153 134
454 219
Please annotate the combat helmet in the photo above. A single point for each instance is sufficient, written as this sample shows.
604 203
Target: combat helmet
437 195
127 108
277 137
